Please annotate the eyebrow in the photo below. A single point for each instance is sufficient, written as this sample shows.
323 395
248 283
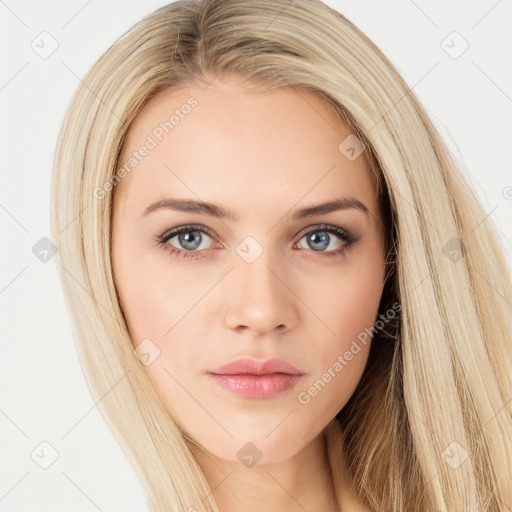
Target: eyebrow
188 205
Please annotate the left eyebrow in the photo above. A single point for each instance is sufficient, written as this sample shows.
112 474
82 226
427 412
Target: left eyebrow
186 205
331 206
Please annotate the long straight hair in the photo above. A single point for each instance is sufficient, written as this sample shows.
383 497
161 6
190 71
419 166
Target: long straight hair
438 384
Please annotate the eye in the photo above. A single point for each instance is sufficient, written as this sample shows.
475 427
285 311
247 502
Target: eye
321 238
190 239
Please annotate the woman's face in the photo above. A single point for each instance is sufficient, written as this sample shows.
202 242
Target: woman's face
266 282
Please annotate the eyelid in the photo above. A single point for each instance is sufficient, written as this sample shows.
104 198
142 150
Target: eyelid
170 233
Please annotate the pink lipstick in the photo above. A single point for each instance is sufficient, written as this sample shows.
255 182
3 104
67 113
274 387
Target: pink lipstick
257 379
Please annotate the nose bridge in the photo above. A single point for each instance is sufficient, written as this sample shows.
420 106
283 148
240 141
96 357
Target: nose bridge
258 296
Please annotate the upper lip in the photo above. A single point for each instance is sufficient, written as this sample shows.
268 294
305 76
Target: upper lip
247 365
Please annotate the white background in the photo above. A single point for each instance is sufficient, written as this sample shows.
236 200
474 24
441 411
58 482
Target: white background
43 394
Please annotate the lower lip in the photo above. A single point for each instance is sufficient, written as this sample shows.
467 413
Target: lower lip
257 386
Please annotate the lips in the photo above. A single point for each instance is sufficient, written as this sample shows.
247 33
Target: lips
250 366
251 378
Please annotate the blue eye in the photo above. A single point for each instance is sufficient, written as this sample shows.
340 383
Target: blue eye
190 237
190 243
319 238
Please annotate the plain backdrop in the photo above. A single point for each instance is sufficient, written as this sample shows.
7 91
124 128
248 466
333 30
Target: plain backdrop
44 398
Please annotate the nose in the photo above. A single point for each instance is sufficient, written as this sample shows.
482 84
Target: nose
260 297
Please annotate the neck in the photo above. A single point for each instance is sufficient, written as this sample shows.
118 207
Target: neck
303 482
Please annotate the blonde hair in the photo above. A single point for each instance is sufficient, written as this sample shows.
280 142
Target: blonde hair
438 379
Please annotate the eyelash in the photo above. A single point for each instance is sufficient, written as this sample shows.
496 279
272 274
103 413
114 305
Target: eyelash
162 240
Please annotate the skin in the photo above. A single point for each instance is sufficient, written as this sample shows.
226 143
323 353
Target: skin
262 155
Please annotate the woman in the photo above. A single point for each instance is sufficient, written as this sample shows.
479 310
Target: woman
238 366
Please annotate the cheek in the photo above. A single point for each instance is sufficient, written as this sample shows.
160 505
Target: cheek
348 302
159 318
341 357
160 307
354 306
149 297
348 308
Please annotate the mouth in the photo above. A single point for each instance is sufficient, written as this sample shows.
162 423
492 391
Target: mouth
253 378
257 386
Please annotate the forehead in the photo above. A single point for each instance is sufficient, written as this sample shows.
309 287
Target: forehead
247 149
